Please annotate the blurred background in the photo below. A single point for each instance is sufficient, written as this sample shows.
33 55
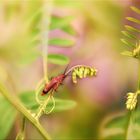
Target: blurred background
95 31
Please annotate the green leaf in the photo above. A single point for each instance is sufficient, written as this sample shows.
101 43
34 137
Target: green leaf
121 125
68 3
58 59
132 29
59 22
62 23
33 20
61 42
127 43
28 99
113 126
131 34
8 114
133 20
29 57
69 29
20 41
135 9
127 34
134 125
127 53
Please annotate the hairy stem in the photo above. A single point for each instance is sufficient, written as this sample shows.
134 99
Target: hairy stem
18 105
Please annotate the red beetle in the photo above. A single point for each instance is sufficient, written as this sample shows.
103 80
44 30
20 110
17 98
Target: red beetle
55 82
58 80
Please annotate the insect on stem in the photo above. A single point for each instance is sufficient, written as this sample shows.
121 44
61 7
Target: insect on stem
80 71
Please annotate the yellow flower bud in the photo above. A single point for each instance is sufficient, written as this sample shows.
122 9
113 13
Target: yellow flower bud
82 72
86 72
136 52
131 100
74 79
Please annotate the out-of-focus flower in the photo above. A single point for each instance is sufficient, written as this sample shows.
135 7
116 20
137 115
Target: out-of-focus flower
132 100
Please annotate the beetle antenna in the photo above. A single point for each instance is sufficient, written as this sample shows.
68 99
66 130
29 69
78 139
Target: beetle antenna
66 69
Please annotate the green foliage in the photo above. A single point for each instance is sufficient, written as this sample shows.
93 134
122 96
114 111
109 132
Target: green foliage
23 43
127 53
135 9
133 20
58 59
131 38
61 42
8 115
68 3
62 23
113 126
28 98
21 38
126 125
20 45
121 125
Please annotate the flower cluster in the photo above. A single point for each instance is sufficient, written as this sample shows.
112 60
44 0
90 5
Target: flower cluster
131 100
83 72
136 52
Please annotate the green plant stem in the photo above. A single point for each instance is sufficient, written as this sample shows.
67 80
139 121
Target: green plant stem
46 20
18 105
128 129
138 86
42 107
23 125
21 134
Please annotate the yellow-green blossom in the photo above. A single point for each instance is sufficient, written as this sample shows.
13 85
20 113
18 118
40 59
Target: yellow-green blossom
131 100
83 72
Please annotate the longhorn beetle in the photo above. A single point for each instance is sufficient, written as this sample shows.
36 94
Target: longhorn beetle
80 71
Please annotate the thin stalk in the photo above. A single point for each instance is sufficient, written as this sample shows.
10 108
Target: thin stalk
129 122
21 134
128 128
46 20
42 108
23 124
18 105
138 86
72 68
